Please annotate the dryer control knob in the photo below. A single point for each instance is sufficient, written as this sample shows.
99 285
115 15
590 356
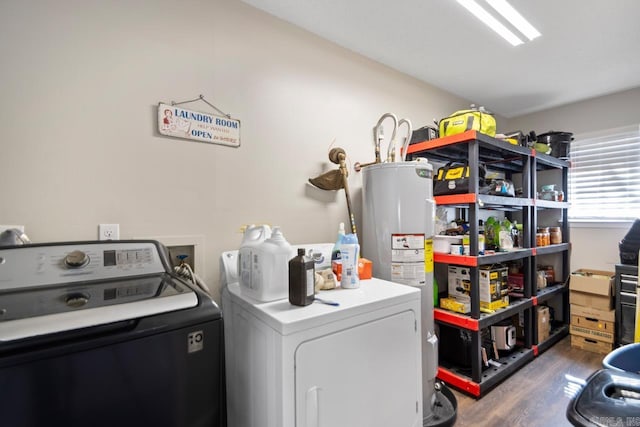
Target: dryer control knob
76 259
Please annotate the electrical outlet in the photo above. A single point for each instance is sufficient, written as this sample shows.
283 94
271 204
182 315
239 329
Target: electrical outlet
109 231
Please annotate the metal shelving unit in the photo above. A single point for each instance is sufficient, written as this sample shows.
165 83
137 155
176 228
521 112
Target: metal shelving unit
474 148
543 163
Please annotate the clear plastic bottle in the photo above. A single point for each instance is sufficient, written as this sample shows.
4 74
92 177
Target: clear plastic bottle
515 234
301 279
253 237
270 264
481 238
505 238
349 253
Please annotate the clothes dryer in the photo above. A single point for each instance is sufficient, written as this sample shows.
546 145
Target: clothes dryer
355 364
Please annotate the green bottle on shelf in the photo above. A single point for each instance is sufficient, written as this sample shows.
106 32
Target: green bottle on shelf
435 292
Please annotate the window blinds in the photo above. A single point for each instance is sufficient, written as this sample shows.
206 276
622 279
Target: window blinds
604 178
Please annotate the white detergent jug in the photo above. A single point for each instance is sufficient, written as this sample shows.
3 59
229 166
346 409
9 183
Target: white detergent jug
253 237
270 276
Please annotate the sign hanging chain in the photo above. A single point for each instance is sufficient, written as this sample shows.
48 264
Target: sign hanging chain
201 98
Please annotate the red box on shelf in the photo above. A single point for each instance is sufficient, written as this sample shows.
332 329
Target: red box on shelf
516 281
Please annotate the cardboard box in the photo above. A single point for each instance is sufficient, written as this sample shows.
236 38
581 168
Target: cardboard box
598 302
459 282
516 281
591 345
492 283
336 267
494 287
591 323
606 336
494 305
595 282
365 269
543 316
594 313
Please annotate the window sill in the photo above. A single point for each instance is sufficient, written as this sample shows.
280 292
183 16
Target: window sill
625 224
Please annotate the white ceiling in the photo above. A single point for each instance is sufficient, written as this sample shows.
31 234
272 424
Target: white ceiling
588 48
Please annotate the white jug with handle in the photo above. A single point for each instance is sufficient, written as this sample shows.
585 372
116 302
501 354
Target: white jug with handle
254 235
270 276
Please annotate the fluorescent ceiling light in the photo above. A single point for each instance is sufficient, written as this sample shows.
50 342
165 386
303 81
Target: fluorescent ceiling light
490 21
514 17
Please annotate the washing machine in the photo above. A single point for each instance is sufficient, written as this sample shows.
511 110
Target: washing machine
356 364
104 334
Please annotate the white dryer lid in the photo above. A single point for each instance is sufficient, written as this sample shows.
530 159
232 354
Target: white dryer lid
286 319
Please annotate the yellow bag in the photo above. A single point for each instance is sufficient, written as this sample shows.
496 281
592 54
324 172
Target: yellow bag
464 120
453 178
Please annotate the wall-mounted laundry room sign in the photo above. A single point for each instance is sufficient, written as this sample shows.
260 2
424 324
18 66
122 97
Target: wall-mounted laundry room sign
199 126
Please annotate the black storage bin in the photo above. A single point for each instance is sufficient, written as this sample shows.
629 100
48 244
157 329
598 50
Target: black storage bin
425 133
559 142
630 245
454 345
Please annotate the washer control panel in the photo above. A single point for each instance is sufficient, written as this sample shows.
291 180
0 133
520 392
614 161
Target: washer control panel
53 264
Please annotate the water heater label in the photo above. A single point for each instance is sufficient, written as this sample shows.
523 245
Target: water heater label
407 259
428 255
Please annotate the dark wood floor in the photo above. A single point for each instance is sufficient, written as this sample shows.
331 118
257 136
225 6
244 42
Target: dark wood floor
533 396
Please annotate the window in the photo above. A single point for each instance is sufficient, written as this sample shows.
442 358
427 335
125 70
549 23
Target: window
604 179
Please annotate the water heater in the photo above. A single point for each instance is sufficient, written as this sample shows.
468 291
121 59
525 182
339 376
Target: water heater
397 236
398 218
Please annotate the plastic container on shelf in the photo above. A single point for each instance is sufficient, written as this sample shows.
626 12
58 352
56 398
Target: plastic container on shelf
466 240
442 244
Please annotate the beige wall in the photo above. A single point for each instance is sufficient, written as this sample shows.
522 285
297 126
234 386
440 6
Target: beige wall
593 245
605 112
80 85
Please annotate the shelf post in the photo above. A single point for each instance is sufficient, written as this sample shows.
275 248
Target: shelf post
476 359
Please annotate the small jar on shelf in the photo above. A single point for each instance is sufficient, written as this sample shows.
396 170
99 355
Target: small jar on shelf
543 237
555 235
